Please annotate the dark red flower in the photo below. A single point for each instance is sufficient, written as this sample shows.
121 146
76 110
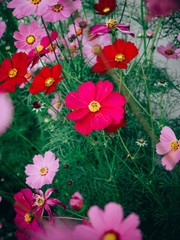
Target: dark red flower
115 56
46 80
114 127
12 72
104 7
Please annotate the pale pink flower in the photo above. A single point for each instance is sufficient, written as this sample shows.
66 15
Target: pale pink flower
178 37
2 28
109 224
0 199
60 10
43 170
27 7
42 202
167 51
92 48
29 36
76 202
79 27
169 146
57 104
177 52
6 112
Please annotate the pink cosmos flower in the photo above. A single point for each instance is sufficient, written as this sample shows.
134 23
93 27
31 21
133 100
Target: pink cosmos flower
177 52
169 146
178 37
96 107
28 36
109 224
43 170
26 219
57 104
42 202
99 30
44 48
167 51
78 28
2 28
92 48
6 112
76 202
60 9
27 7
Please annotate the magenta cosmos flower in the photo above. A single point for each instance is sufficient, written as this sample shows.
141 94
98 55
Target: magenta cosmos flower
43 170
27 7
60 10
92 48
169 146
26 219
99 30
57 104
109 224
167 51
2 28
42 202
96 107
6 112
28 36
76 202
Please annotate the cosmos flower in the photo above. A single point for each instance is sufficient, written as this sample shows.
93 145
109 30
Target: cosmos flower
43 170
114 127
12 72
46 80
109 224
2 28
104 7
76 202
92 48
60 9
167 51
95 107
28 36
178 37
115 56
57 104
6 112
42 201
99 30
26 219
170 146
27 7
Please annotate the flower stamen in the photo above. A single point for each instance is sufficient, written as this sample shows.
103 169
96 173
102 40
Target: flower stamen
12 72
112 24
49 82
119 57
57 7
30 39
96 49
94 106
35 2
43 171
28 217
107 9
174 145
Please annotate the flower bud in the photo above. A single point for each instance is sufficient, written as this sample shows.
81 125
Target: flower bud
149 34
36 104
76 201
83 24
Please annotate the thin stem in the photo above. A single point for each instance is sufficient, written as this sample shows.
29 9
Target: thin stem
129 155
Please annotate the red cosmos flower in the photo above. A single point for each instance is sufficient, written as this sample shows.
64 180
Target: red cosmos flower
96 107
114 127
104 7
12 72
116 55
26 219
46 80
44 47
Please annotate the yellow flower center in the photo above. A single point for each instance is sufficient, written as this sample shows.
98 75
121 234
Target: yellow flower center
72 49
112 24
107 9
40 201
94 106
58 104
96 49
30 39
28 75
12 73
39 48
79 31
43 171
169 52
28 217
35 2
49 82
57 7
51 46
119 57
174 145
110 236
